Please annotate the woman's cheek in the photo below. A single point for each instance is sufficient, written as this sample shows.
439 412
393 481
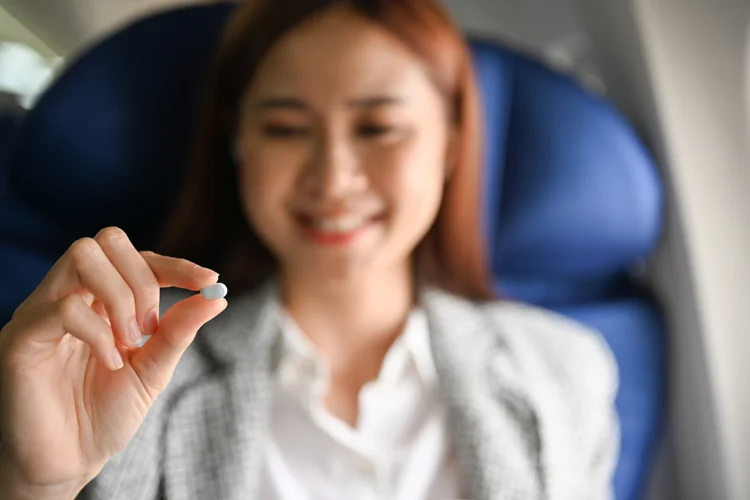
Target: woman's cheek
414 173
265 185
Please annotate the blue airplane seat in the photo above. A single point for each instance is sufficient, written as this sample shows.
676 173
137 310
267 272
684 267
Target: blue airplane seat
572 202
10 116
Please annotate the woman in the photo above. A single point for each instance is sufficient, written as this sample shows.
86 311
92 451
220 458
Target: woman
361 356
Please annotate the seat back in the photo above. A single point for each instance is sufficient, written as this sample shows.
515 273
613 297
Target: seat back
573 206
10 116
572 198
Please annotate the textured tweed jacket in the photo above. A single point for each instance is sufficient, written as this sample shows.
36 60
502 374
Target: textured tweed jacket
530 398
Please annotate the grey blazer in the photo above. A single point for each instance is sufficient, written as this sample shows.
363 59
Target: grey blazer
530 398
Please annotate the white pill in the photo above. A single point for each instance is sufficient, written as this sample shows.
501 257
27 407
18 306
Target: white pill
214 292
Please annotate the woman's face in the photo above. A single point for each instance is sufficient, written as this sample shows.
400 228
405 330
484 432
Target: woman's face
342 147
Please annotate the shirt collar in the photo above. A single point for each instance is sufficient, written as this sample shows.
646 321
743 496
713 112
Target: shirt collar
301 363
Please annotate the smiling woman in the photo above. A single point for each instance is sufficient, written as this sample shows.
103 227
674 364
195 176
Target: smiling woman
375 119
336 187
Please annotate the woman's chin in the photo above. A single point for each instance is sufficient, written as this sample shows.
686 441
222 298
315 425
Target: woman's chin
333 270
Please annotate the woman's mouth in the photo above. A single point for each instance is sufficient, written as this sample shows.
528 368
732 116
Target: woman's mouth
335 230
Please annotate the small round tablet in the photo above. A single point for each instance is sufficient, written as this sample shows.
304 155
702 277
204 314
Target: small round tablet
214 292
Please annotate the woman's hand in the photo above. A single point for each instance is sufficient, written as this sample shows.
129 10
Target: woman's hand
74 385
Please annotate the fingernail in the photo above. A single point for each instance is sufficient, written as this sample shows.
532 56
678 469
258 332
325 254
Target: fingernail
116 358
204 270
134 333
151 323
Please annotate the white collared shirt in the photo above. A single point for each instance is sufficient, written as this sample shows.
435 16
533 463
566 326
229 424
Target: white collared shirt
400 448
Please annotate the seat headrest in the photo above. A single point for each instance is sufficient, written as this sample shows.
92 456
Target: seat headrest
572 195
107 143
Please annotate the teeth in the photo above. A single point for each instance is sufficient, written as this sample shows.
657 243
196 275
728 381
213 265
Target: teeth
342 224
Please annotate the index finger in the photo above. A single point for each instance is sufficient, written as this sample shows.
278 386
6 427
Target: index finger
180 273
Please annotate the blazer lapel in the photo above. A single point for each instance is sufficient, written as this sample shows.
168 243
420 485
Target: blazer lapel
493 423
215 433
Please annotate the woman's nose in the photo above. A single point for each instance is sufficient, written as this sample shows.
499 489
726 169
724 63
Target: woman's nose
333 170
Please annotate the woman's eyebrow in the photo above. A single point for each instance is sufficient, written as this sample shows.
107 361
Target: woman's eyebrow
295 103
281 103
376 101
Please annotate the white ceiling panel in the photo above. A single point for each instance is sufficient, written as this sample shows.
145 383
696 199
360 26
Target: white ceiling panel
550 28
68 25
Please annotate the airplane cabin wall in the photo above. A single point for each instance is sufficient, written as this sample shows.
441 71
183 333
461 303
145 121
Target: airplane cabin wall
676 69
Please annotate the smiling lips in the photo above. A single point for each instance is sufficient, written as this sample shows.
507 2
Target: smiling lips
335 230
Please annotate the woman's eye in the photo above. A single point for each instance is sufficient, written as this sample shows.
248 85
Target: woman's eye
374 131
285 131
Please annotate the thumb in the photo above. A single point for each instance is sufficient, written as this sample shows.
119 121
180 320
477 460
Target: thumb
155 362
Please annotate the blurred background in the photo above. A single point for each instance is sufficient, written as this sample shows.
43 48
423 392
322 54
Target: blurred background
58 29
679 71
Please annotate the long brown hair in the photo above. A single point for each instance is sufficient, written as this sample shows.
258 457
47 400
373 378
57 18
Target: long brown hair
209 226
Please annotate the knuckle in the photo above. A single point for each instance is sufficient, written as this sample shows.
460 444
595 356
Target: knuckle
149 288
112 236
124 302
150 283
82 250
147 293
69 306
